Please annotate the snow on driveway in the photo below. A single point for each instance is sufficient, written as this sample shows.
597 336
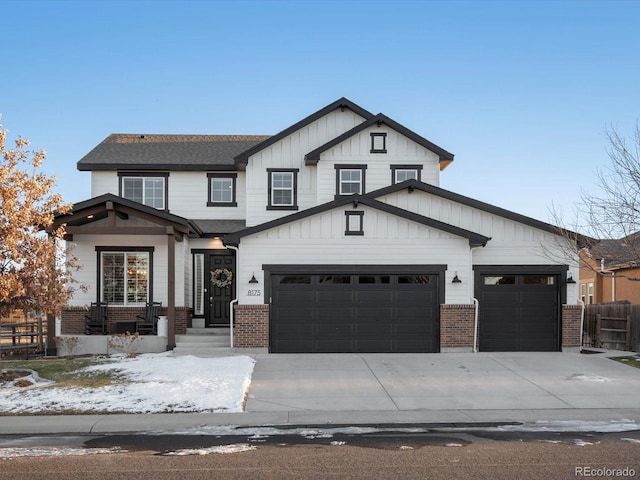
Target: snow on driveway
152 383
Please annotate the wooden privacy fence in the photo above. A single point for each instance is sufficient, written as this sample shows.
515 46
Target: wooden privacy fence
20 333
613 326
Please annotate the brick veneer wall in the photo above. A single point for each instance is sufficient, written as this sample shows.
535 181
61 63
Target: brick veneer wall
456 326
251 326
571 325
72 318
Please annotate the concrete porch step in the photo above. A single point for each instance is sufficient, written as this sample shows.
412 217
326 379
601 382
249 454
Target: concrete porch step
202 352
203 342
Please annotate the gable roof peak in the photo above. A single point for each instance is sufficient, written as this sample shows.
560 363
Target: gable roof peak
342 103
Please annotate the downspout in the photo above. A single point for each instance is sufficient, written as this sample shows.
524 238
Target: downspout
475 325
235 300
581 322
474 299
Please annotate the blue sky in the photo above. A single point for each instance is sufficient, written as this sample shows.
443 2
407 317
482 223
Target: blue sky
520 91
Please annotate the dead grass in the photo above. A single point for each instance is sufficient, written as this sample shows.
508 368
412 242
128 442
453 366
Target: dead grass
66 372
631 360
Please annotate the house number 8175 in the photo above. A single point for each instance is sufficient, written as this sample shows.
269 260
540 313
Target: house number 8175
254 293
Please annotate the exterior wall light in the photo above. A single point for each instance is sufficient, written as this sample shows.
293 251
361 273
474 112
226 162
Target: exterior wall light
253 279
456 279
570 279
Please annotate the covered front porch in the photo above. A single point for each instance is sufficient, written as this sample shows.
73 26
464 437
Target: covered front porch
130 255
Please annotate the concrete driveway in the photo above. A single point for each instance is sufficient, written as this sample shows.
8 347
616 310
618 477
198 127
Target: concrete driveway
445 381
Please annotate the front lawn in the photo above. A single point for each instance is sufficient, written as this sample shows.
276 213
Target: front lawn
149 383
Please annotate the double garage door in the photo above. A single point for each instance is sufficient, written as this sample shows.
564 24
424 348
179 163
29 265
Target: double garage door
350 313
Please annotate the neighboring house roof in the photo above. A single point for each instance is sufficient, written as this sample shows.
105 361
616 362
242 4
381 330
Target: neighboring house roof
618 253
219 227
242 158
126 151
475 239
501 212
446 158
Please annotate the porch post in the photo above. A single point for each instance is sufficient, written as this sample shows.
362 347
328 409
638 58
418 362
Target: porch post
171 286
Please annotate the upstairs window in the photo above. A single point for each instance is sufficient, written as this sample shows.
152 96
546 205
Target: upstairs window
150 190
222 190
283 189
350 179
378 143
400 173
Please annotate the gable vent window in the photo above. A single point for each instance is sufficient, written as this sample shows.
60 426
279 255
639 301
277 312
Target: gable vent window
355 223
378 143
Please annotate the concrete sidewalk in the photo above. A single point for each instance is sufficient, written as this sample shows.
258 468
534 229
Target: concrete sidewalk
373 389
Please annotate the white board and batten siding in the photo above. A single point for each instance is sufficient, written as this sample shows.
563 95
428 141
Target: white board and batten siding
357 151
289 152
188 193
84 246
387 240
512 242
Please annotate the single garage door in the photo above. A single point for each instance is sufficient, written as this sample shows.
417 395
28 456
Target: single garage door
354 313
518 312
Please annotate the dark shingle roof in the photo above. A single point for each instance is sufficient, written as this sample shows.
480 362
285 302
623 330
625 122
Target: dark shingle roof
161 152
623 251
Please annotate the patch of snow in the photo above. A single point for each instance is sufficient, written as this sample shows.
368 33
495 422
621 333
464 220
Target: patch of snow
583 443
630 440
337 443
234 448
453 445
623 425
152 383
406 447
55 452
581 377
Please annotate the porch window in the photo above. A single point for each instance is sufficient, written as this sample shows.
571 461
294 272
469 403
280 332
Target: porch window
198 288
149 190
125 277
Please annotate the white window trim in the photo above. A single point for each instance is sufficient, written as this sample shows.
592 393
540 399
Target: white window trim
144 179
350 182
125 279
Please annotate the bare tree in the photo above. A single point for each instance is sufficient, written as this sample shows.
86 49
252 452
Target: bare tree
35 271
609 220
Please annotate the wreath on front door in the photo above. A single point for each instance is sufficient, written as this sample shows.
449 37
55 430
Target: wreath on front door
221 277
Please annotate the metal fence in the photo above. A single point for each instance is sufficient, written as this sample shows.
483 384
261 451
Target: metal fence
612 325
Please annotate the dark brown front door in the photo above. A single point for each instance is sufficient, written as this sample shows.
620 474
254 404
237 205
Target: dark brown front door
220 276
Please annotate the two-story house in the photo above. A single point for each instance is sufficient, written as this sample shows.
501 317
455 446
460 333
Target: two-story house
330 236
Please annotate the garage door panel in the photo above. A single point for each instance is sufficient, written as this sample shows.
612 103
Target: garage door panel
339 330
361 313
373 329
333 314
337 345
290 330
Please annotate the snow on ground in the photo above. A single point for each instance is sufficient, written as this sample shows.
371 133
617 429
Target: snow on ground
153 383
